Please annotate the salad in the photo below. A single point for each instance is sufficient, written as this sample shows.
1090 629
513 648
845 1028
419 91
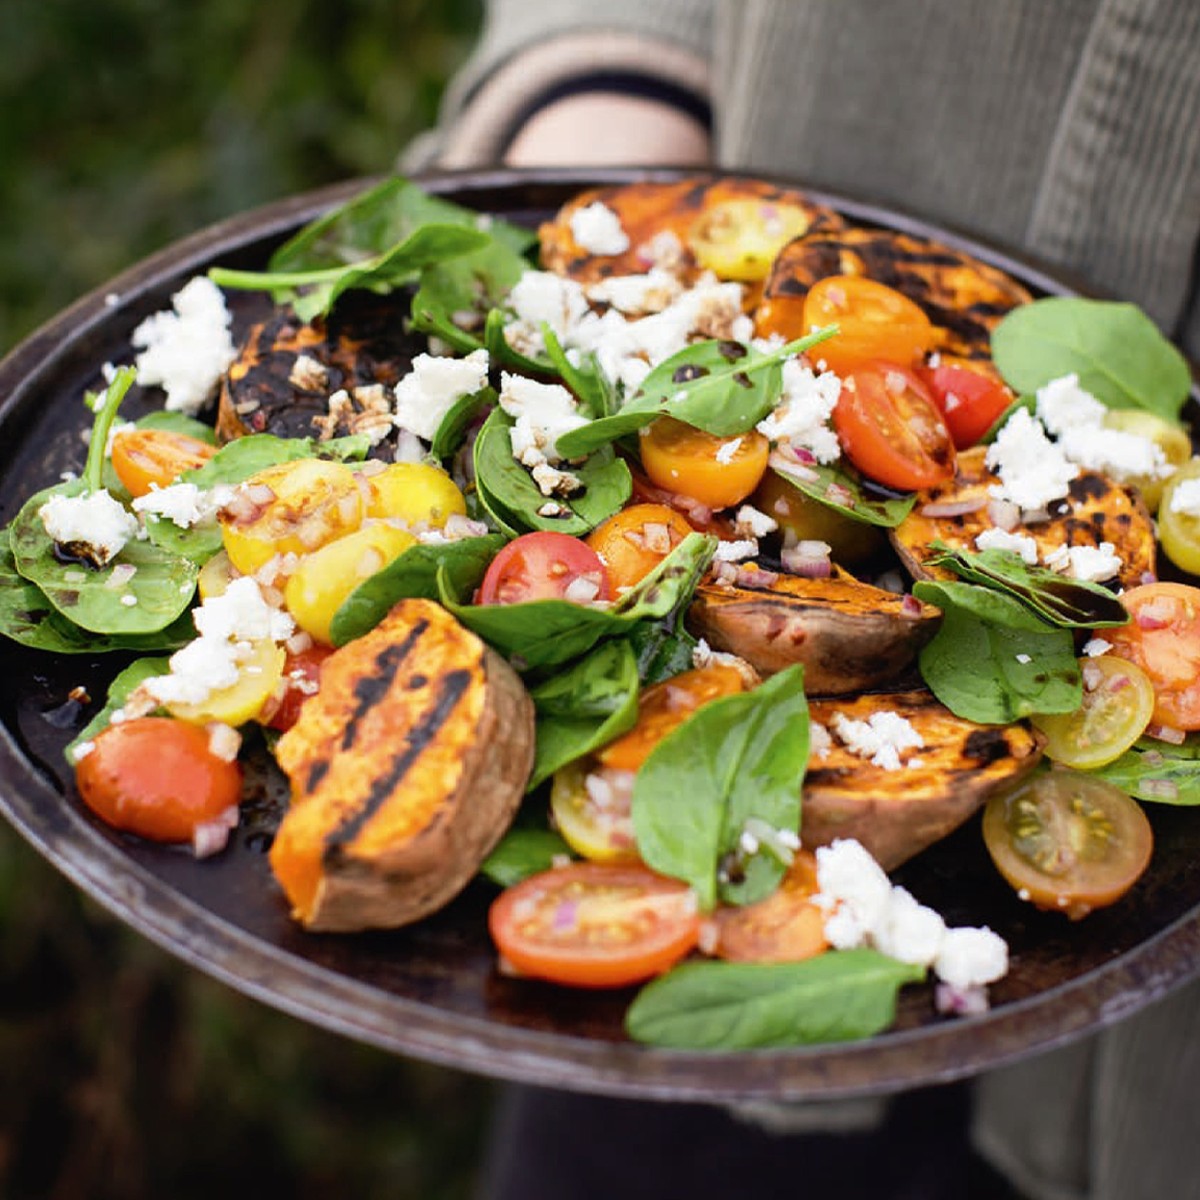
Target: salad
683 568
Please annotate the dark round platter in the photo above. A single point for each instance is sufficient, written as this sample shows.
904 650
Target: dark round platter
432 991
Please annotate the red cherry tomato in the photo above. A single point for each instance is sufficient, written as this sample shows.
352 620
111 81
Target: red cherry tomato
890 428
970 395
544 566
594 924
158 778
301 676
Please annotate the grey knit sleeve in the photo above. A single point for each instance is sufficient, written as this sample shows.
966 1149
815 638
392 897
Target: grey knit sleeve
531 50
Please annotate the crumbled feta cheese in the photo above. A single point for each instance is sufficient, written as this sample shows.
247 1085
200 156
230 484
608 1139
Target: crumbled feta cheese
636 294
819 741
597 229
910 931
882 738
1093 564
1000 539
753 523
801 418
1121 456
1062 405
94 525
186 350
1033 470
726 451
855 892
240 613
1185 498
1096 647
431 388
543 413
730 551
184 503
543 297
970 957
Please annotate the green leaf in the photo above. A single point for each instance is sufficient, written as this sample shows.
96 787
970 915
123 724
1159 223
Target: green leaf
521 853
663 648
596 393
509 493
841 996
1116 350
452 431
992 661
236 461
1157 771
169 421
722 387
836 488
547 633
1069 603
414 573
197 542
584 707
121 688
736 758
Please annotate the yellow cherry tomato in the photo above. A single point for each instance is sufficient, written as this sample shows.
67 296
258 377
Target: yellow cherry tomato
1118 701
215 576
595 822
717 471
415 493
739 239
259 674
292 508
1179 530
322 581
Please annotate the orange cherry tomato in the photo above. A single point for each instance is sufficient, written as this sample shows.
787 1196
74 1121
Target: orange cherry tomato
544 566
301 677
698 516
632 542
717 471
874 321
1163 638
785 926
664 706
891 430
158 778
147 458
970 395
595 925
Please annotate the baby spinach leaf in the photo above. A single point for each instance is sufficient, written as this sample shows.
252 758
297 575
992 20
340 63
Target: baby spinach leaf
835 487
313 292
452 431
521 853
414 573
837 997
1157 771
596 393
198 542
722 387
1057 599
1116 350
236 461
663 648
503 354
584 707
992 660
509 492
547 633
177 422
122 687
737 757
1028 403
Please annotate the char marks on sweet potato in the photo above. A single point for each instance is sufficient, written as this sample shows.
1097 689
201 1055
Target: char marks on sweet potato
897 813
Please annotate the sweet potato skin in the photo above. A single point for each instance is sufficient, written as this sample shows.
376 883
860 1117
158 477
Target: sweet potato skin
897 814
848 635
406 768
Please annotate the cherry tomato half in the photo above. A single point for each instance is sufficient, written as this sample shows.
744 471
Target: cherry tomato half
1068 842
301 678
970 396
1163 638
595 925
717 471
158 778
545 566
874 322
147 458
634 541
1179 531
786 926
592 809
891 430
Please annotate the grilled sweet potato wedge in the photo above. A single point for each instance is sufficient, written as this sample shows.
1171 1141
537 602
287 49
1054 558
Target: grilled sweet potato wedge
406 768
849 635
685 208
1098 510
963 297
898 813
286 371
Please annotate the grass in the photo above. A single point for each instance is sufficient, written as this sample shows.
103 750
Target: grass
123 1074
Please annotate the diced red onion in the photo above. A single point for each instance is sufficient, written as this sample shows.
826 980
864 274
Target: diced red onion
566 915
211 837
953 508
1164 733
657 537
583 589
752 576
1148 577
1160 789
808 559
910 605
1153 617
1004 514
953 1001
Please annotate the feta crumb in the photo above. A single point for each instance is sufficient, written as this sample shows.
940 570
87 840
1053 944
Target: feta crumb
1093 564
882 738
431 388
910 931
726 451
185 504
1033 471
636 294
800 419
853 886
188 349
1096 647
1185 498
819 741
597 229
728 551
1023 659
543 413
1124 457
970 957
1000 539
94 526
753 523
1062 405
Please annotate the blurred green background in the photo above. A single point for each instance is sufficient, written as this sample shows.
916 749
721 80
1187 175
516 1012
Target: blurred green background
125 125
